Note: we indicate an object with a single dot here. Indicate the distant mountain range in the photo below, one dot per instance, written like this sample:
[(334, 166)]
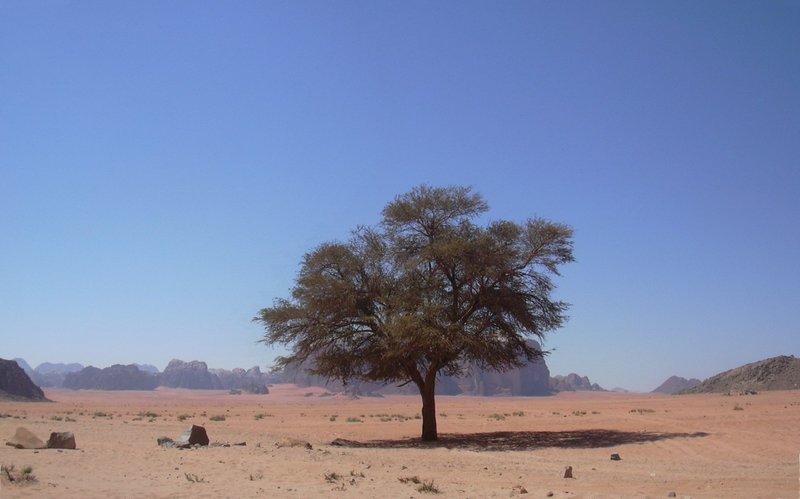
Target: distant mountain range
[(531, 379)]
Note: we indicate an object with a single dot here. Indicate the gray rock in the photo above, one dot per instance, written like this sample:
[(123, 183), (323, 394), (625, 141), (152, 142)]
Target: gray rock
[(25, 439), (61, 440), (166, 442)]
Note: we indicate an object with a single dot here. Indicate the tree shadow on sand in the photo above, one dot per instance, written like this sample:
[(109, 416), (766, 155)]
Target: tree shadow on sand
[(524, 440)]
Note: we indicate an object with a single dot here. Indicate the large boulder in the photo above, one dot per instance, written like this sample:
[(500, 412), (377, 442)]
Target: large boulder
[(25, 439), (194, 435), (193, 375), (61, 440), (16, 385)]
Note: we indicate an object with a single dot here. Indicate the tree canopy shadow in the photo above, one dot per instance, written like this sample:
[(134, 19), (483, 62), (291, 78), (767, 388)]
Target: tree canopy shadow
[(524, 440)]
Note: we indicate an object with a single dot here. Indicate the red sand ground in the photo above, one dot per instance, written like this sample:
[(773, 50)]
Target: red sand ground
[(694, 445)]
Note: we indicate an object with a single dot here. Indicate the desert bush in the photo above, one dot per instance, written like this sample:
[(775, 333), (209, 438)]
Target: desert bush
[(218, 417), (428, 488)]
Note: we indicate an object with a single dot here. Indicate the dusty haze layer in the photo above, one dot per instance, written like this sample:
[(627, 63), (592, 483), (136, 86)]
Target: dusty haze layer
[(707, 445)]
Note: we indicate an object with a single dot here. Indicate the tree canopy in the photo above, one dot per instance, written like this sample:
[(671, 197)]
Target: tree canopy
[(426, 291)]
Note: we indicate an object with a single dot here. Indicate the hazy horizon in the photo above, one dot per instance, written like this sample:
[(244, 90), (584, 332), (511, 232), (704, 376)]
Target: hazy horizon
[(165, 166)]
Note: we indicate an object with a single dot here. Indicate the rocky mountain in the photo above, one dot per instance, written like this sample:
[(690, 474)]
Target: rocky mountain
[(49, 367), (573, 383), (147, 368), (193, 375), (676, 384), (529, 380), (776, 373), (251, 380), (25, 367), (116, 377), (16, 385), (48, 375)]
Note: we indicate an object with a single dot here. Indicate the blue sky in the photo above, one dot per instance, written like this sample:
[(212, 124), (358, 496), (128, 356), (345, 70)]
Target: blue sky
[(165, 165)]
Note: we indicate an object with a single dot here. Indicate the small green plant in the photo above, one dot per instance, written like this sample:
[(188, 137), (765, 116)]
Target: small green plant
[(69, 420), (101, 414), (518, 413), (359, 474), (12, 475), (56, 418), (428, 488), (183, 417), (642, 411), (333, 418), (218, 417), (354, 420), (595, 412), (332, 477), (262, 415), (194, 478), (578, 413), (737, 407), (149, 414), (497, 417)]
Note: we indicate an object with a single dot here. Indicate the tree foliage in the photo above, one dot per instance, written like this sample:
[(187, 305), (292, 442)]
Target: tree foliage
[(424, 292)]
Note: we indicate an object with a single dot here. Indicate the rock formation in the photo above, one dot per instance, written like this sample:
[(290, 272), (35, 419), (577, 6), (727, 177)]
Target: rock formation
[(116, 377), (194, 375), (52, 374), (675, 384), (61, 440), (251, 380), (25, 439), (533, 378), (776, 373), (16, 385), (573, 383)]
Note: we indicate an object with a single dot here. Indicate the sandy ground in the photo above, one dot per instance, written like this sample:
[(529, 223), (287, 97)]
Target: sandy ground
[(696, 445)]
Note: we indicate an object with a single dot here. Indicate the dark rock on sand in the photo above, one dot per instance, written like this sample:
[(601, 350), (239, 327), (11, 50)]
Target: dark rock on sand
[(61, 440), (195, 435)]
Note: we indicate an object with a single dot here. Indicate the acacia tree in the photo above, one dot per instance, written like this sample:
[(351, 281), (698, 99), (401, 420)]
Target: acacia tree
[(426, 291)]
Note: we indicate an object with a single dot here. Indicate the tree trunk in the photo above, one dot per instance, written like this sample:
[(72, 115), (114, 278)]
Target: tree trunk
[(427, 391)]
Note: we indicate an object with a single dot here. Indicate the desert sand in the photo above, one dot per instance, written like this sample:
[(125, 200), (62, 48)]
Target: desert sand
[(707, 445)]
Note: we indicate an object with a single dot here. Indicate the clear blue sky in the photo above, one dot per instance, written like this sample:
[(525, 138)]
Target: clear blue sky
[(165, 165)]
